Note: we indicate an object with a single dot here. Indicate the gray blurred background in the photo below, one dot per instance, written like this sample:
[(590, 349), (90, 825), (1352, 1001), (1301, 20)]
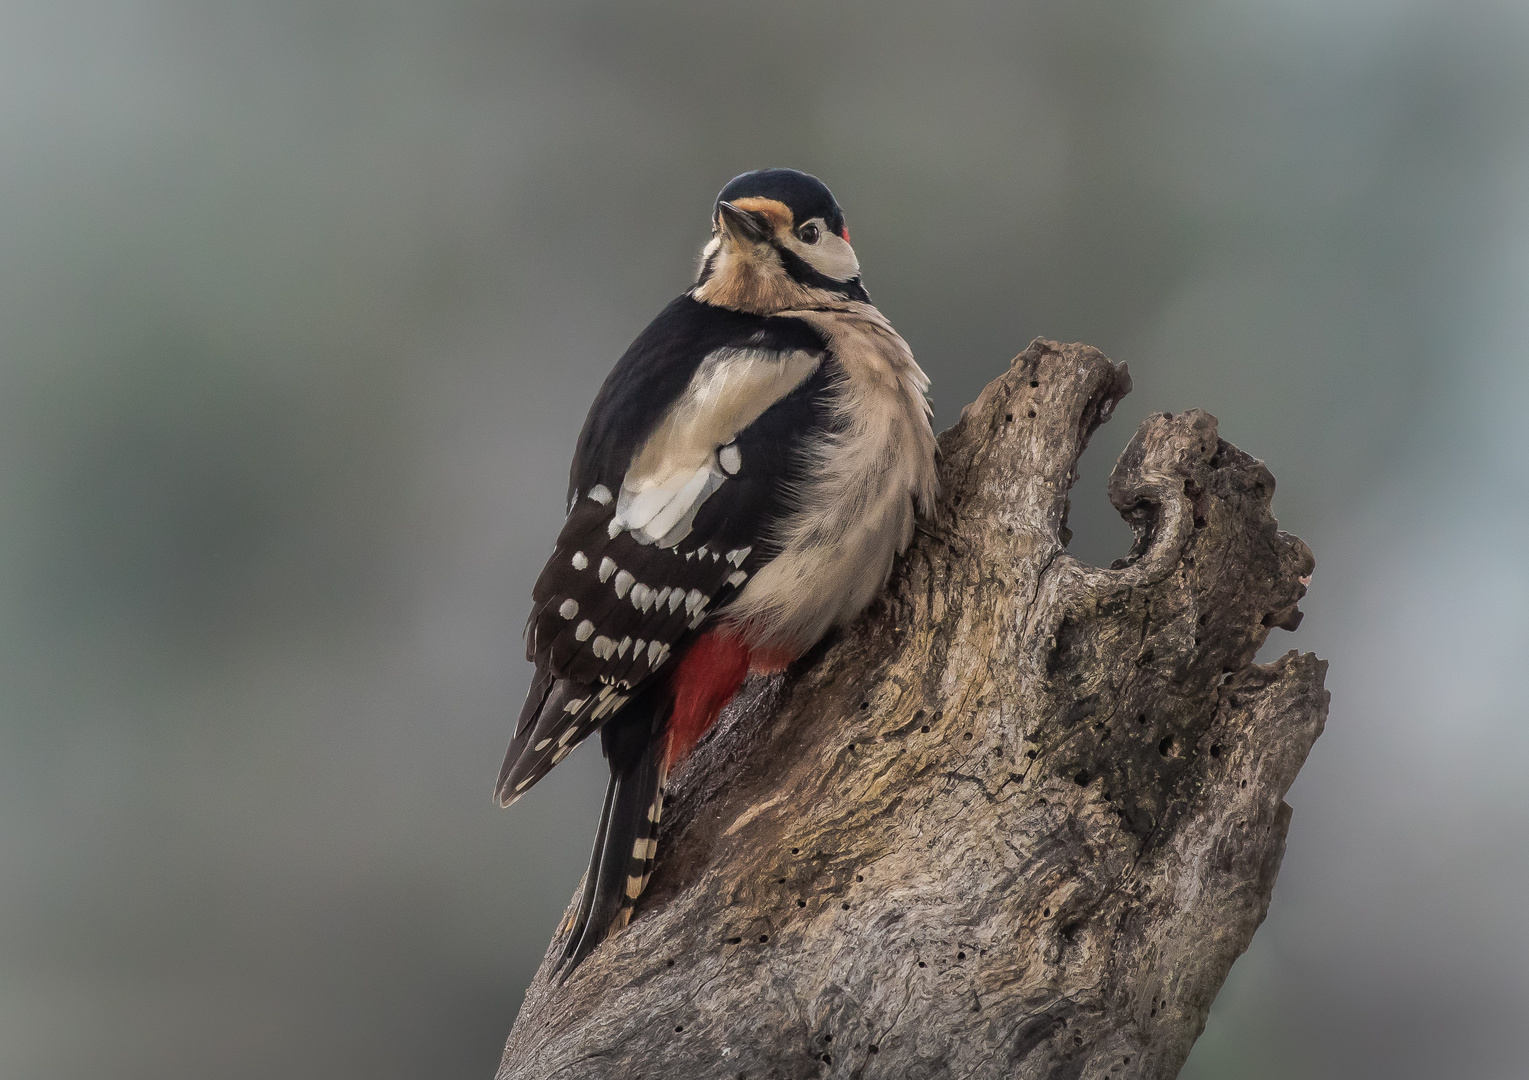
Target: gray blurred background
[(302, 304)]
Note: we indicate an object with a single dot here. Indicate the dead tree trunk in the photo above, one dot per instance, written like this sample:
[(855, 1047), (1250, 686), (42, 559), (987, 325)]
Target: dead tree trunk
[(1017, 823)]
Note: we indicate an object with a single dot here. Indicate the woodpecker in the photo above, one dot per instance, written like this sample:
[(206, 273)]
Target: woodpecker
[(745, 478)]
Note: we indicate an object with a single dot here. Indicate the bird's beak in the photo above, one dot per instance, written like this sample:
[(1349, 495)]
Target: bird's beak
[(742, 224)]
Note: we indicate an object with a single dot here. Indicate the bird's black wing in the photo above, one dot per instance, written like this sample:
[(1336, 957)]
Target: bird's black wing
[(664, 527)]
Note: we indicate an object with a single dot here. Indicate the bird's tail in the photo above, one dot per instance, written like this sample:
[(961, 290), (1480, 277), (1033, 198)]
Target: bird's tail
[(628, 836)]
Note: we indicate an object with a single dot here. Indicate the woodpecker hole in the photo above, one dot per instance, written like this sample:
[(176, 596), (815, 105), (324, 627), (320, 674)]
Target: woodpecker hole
[(873, 1048), (1165, 747), (801, 903), (968, 735), (859, 877), (865, 704), (1008, 418), (920, 963), (1046, 914), (960, 956), (1034, 383), (763, 938), (1032, 414), (1082, 778), (1141, 718), (669, 963), (679, 1027), (735, 941), (925, 729), (1215, 750), (828, 1059), (796, 851), (1030, 754), (844, 906)]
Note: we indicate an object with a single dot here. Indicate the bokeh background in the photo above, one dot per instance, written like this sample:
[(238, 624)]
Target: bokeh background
[(301, 306)]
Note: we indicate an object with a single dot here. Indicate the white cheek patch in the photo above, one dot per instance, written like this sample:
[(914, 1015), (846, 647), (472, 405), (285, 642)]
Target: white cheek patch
[(831, 256)]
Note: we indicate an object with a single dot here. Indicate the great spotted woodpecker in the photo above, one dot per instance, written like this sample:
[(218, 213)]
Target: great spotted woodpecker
[(743, 482)]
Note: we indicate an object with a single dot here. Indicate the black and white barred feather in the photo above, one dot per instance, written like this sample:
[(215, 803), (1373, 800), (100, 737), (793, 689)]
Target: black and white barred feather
[(643, 562)]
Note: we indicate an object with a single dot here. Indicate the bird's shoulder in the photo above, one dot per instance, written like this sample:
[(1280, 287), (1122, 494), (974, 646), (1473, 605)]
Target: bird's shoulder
[(654, 373)]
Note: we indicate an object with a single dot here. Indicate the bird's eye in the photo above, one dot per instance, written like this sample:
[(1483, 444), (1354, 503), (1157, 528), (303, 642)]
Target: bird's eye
[(808, 233)]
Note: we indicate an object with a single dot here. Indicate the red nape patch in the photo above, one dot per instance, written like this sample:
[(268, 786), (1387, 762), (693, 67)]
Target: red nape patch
[(706, 679), (844, 232)]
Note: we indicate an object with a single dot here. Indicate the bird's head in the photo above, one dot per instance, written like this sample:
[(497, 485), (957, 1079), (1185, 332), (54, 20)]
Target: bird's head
[(778, 241)]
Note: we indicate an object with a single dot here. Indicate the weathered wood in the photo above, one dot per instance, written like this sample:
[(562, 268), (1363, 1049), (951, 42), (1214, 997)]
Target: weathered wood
[(1018, 823)]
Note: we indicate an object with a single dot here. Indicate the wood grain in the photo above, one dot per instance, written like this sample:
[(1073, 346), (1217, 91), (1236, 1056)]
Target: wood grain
[(1018, 822)]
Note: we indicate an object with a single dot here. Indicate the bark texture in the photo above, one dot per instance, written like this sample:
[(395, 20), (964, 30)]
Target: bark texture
[(1018, 822)]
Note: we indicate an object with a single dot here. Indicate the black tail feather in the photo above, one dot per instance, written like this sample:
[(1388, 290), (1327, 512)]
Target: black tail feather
[(579, 917), (624, 845)]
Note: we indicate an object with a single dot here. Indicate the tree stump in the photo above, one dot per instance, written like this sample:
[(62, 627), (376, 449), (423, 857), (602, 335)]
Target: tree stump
[(1018, 822)]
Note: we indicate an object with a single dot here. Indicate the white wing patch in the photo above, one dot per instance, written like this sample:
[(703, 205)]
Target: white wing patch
[(691, 454)]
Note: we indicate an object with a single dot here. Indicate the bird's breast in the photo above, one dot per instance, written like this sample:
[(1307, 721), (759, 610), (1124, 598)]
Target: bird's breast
[(855, 513)]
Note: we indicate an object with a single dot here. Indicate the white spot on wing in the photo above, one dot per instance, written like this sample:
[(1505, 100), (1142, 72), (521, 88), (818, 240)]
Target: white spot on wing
[(600, 494), (580, 560), (583, 631), (603, 647), (569, 608), (730, 459), (607, 568), (737, 555), (626, 643), (737, 577), (693, 601), (676, 598), (624, 582), (613, 528), (654, 648), (574, 706), (610, 705), (539, 747)]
